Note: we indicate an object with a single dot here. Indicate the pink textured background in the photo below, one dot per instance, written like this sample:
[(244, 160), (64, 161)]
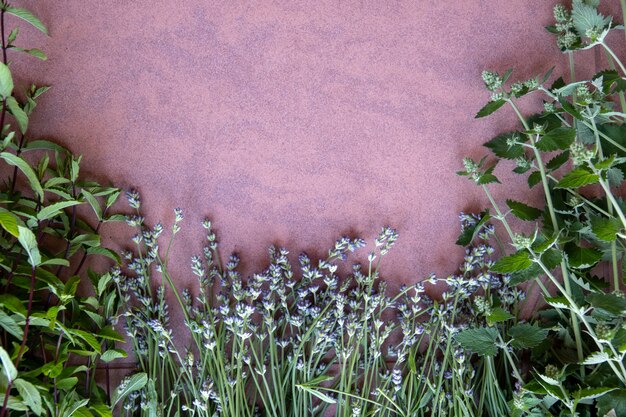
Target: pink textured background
[(288, 122)]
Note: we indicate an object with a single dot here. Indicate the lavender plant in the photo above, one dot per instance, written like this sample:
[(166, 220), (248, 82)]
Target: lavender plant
[(575, 151)]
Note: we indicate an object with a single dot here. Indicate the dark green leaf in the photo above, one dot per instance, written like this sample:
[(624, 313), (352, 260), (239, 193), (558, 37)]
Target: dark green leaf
[(582, 258), (499, 146), (613, 401), (518, 261), (99, 250), (534, 178), (110, 334), (523, 211), (558, 161), (591, 393), (68, 383), (608, 302), (577, 178), (557, 139), (525, 335), (481, 341), (489, 108)]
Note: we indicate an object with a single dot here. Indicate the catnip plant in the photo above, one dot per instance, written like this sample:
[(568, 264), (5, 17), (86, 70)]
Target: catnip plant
[(574, 151)]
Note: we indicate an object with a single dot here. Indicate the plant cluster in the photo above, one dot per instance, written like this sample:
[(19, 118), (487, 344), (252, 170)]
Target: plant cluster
[(575, 152), (52, 338)]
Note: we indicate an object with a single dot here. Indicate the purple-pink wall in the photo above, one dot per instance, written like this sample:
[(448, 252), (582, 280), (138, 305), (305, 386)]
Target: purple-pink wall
[(289, 122)]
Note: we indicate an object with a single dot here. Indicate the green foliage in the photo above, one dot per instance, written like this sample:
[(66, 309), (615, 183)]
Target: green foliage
[(52, 337), (577, 343)]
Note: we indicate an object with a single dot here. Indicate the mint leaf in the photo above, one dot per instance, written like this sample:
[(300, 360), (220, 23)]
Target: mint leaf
[(534, 178), (27, 16), (499, 315), (558, 161)]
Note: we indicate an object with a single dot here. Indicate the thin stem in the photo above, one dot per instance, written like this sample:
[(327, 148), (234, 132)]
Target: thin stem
[(617, 60)]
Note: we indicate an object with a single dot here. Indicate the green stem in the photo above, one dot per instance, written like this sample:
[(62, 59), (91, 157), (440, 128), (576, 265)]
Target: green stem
[(617, 60)]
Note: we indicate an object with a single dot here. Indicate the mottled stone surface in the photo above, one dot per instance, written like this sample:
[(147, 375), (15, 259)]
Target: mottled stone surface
[(289, 122)]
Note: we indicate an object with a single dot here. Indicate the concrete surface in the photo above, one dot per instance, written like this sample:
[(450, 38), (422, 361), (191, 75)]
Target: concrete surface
[(289, 122)]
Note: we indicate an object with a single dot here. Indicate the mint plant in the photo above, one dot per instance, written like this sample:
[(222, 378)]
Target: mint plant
[(53, 339), (574, 150)]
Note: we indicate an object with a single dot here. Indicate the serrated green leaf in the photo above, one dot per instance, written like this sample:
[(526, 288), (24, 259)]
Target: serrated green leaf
[(489, 108), (30, 395), (582, 258), (534, 178), (523, 211), (499, 315), (52, 210), (481, 341), (591, 393), (27, 16), (613, 401), (518, 261), (500, 147), (112, 354), (557, 139), (134, 383), (558, 302), (615, 176), (577, 178), (525, 335), (610, 303), (558, 161), (7, 365), (586, 17), (605, 229), (20, 115), (584, 134), (596, 358), (23, 166), (29, 242)]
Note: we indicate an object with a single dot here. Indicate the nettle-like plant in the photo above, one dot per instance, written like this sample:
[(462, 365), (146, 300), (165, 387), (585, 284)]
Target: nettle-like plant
[(52, 338), (575, 151)]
